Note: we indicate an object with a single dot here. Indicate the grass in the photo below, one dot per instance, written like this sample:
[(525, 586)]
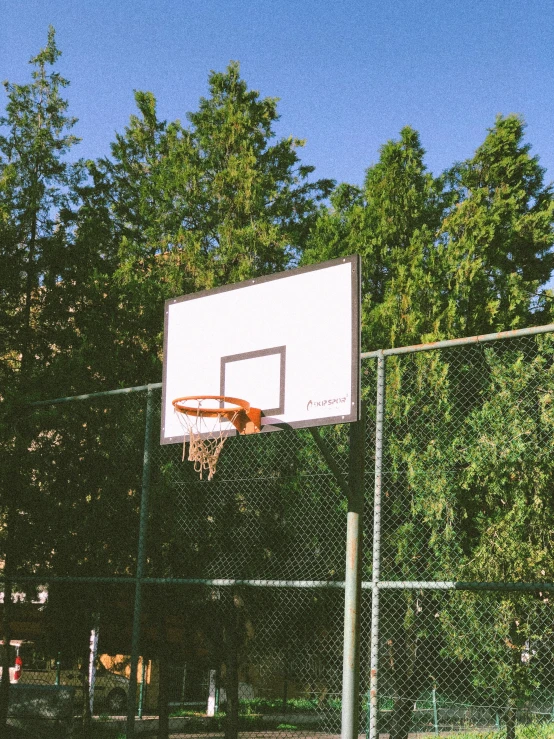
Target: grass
[(529, 731), (256, 714), (269, 706)]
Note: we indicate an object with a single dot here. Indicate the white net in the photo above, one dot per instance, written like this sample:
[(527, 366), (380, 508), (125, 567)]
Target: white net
[(206, 437)]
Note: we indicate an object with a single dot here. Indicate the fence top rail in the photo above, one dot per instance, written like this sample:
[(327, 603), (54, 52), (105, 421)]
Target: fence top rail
[(101, 394), (549, 328), (460, 342), (46, 579)]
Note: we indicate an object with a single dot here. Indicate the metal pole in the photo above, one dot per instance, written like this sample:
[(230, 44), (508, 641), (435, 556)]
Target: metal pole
[(58, 669), (142, 688), (465, 341), (93, 656), (102, 394), (528, 587), (374, 659), (132, 696), (352, 583)]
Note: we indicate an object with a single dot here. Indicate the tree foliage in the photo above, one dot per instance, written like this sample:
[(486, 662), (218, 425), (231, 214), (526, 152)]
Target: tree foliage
[(498, 234), (392, 223), (195, 207), (37, 190), (465, 490)]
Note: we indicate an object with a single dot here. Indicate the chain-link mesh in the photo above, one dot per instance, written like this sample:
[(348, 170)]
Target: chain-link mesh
[(232, 590), (465, 662), (467, 498)]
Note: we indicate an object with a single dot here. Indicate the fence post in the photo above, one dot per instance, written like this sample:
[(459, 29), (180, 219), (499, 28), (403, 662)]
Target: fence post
[(376, 568), (142, 690), (435, 711), (352, 582), (141, 554)]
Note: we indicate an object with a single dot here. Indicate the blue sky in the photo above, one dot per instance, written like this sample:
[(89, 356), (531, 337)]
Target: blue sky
[(349, 73)]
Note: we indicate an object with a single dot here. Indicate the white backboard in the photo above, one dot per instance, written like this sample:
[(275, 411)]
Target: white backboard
[(288, 343)]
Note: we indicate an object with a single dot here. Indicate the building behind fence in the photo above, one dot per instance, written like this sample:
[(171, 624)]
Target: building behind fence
[(197, 591)]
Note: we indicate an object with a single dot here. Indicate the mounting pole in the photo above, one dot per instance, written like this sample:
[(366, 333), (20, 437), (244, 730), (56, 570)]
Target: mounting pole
[(141, 557), (352, 582)]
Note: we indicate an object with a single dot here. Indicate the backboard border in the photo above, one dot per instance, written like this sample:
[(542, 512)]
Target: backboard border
[(354, 415)]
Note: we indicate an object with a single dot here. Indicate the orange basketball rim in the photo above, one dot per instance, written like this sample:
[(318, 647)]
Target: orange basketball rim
[(245, 419)]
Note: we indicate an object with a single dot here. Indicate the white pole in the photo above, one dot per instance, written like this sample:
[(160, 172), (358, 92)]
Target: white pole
[(211, 695), (92, 665)]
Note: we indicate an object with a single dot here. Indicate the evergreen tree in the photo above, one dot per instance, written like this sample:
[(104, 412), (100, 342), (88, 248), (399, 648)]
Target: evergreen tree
[(255, 203), (499, 235), (440, 264), (197, 207), (36, 187), (393, 224), (36, 190)]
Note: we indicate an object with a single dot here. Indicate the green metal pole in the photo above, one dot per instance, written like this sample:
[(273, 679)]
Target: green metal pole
[(132, 697), (376, 574), (352, 583), (102, 394)]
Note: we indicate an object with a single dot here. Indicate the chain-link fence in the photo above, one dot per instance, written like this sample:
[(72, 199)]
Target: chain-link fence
[(143, 600)]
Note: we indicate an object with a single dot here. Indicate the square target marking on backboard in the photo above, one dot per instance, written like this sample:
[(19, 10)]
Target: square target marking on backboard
[(264, 369), (287, 343)]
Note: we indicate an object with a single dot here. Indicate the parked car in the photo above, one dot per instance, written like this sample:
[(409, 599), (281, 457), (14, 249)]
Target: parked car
[(110, 689)]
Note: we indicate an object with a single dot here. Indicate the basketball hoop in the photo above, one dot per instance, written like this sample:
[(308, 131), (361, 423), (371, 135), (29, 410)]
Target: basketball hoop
[(206, 439)]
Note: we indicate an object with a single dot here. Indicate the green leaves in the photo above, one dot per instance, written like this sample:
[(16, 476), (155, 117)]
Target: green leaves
[(392, 224), (499, 234), (37, 193), (506, 478), (464, 253), (192, 208)]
